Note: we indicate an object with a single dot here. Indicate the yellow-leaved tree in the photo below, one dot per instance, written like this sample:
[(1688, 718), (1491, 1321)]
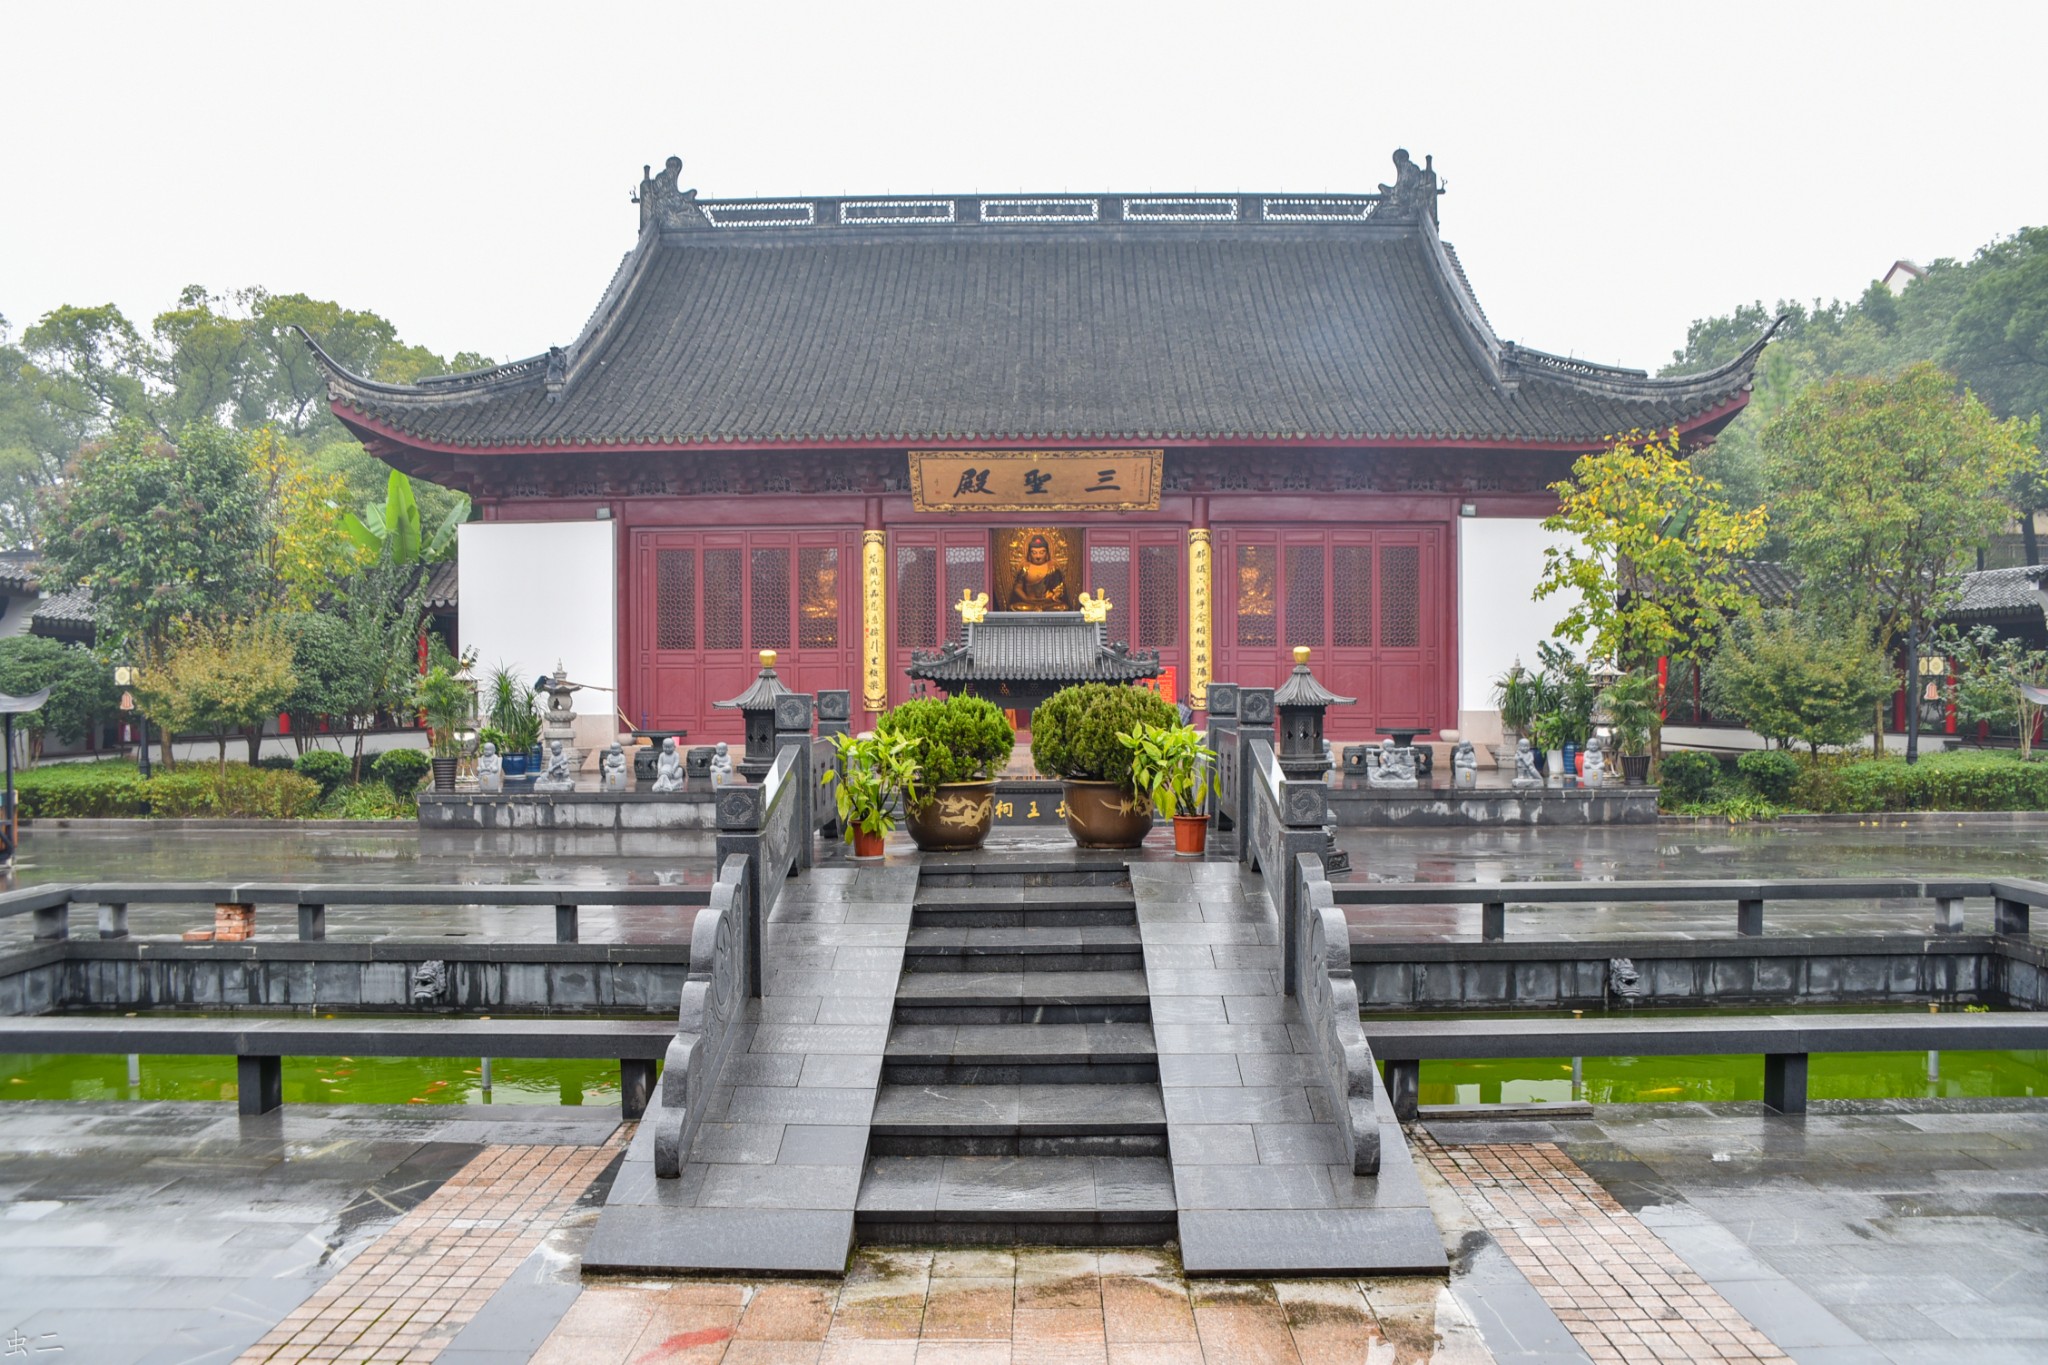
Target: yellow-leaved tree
[(306, 549), (220, 680), (1652, 556)]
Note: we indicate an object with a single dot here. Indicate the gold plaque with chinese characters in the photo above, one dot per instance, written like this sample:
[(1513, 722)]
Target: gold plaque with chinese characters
[(1035, 480)]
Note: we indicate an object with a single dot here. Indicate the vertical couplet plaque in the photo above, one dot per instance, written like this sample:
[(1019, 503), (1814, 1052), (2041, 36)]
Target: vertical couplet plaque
[(1200, 660), (874, 634)]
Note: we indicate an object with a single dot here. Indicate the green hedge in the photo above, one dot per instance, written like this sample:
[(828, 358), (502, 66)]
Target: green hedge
[(84, 791), (1962, 780)]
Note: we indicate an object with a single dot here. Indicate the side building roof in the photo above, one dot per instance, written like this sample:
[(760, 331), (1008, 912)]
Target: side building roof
[(1064, 318)]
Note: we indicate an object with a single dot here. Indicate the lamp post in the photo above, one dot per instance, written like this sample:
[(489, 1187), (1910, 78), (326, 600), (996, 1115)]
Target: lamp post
[(1299, 704), (124, 678), (756, 706)]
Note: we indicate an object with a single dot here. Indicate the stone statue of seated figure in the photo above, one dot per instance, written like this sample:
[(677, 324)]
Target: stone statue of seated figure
[(1464, 766), (555, 776), (722, 774), (1525, 765), (490, 769), (1594, 773), (668, 768), (1396, 767), (613, 770)]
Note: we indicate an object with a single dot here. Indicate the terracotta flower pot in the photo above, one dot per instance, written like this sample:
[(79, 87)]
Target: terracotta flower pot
[(1104, 815), (866, 845), (958, 817), (1190, 835)]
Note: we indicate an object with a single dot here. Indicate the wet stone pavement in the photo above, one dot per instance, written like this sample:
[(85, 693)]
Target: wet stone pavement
[(684, 859)]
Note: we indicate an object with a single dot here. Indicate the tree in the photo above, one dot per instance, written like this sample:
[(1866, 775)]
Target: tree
[(331, 678), (1652, 554), (222, 680), (395, 529), (1993, 674), (1790, 677), (307, 547), (384, 607), (82, 690), (1882, 487), (160, 534), (1999, 347)]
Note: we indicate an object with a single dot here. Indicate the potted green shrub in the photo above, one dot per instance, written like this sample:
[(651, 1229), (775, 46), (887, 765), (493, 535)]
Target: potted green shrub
[(1631, 702), (869, 776), (1074, 737), (1520, 696), (447, 702), (1171, 765), (515, 715), (960, 744)]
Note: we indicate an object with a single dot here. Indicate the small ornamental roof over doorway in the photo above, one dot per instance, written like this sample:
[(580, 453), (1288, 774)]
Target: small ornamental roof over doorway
[(946, 321)]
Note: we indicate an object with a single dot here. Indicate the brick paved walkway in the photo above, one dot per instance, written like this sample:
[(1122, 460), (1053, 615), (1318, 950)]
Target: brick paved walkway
[(1612, 1282), (406, 1295), (1000, 1307)]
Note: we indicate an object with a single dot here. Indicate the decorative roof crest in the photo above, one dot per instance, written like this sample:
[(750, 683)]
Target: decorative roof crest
[(1415, 189), (663, 203)]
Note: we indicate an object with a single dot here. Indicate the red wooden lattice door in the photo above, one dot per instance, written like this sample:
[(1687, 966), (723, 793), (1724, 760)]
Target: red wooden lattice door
[(1141, 572), (928, 570), (1370, 603), (705, 603)]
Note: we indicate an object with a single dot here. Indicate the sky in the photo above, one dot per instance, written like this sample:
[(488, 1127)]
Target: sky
[(1613, 170)]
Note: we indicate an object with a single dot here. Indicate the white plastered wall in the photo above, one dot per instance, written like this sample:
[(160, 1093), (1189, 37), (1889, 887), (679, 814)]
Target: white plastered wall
[(1500, 560), (535, 592)]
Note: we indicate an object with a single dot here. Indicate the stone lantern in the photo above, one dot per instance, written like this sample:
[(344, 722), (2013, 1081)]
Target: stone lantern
[(1298, 706), (1299, 703), (757, 706)]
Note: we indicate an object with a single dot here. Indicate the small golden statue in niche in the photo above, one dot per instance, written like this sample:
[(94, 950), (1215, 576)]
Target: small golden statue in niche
[(1035, 562), (972, 606), (1095, 610)]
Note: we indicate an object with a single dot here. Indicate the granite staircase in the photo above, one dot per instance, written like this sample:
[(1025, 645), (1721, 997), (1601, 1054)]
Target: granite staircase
[(1020, 1097)]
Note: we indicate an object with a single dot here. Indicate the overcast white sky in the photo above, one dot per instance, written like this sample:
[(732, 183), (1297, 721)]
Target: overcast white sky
[(1614, 170)]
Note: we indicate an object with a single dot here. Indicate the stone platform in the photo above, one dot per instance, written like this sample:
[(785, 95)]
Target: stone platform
[(1068, 1048)]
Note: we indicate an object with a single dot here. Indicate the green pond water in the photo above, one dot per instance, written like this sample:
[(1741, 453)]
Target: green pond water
[(315, 1080), (1830, 1076)]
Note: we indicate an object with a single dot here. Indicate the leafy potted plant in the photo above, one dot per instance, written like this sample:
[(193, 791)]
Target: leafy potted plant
[(514, 715), (1074, 737), (1570, 698), (1521, 696), (447, 703), (1172, 766), (867, 778), (960, 744), (1631, 703)]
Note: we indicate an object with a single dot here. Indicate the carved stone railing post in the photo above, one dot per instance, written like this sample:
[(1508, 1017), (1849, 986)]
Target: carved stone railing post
[(1303, 808), (793, 714), (713, 1004), (738, 811), (835, 712), (1223, 721), (1329, 1006), (1254, 722)]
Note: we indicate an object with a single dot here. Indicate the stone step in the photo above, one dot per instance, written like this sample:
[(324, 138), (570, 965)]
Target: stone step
[(1021, 1054), (1029, 1120), (1065, 868), (1025, 948), (1020, 997), (983, 1200), (1012, 907)]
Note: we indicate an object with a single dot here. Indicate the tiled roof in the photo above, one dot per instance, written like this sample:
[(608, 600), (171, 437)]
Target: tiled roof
[(1772, 583), (1995, 593), (789, 322), (1033, 646), (67, 614), (442, 581)]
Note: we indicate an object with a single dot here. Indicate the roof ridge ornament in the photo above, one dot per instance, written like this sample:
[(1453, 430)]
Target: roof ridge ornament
[(665, 205), (1414, 193)]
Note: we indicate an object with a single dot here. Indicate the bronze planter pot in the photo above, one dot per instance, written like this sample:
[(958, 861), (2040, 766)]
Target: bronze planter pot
[(444, 774), (1104, 815), (1635, 770), (957, 818)]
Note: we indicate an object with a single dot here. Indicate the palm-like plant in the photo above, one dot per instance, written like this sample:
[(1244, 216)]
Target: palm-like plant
[(1171, 765)]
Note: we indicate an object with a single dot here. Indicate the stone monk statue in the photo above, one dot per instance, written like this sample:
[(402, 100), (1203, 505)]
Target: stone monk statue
[(668, 768), (1525, 765), (490, 769), (555, 778)]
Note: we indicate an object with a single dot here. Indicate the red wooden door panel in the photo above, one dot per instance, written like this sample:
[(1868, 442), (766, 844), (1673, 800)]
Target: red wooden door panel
[(1371, 602)]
